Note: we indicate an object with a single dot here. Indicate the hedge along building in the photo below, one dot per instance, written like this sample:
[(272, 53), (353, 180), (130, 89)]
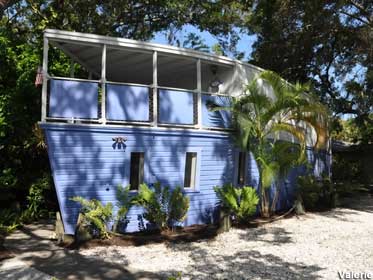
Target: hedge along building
[(140, 115)]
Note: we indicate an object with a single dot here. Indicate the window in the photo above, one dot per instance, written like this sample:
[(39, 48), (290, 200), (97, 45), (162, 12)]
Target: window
[(137, 170), (241, 176), (190, 170)]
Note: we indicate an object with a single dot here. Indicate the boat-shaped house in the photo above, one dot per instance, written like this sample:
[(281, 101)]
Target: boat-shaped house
[(139, 114)]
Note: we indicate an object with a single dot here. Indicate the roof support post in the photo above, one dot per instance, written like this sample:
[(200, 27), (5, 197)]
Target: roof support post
[(103, 85), (72, 70), (155, 89), (199, 94), (44, 92)]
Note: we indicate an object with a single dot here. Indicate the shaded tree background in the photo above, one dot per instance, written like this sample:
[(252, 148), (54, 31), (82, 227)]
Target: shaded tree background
[(326, 42)]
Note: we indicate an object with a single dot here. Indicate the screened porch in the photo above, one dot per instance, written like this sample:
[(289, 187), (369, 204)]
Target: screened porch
[(113, 81)]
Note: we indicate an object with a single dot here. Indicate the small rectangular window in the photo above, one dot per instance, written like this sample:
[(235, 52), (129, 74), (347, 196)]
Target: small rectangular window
[(190, 170), (241, 178), (137, 170)]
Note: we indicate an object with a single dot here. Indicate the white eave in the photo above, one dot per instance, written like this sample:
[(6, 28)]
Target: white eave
[(93, 39)]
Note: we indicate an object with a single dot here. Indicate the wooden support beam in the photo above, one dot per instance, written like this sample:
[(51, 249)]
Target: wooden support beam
[(199, 94), (44, 93), (72, 70), (155, 89), (103, 85)]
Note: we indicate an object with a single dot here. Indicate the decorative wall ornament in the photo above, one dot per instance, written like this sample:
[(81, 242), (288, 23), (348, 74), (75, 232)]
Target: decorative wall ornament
[(119, 139)]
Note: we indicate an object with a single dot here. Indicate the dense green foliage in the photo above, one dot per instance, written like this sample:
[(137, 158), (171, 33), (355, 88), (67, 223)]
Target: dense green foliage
[(241, 202), (36, 200), (9, 221), (327, 43), (258, 121), (316, 193), (125, 201), (163, 207), (96, 215)]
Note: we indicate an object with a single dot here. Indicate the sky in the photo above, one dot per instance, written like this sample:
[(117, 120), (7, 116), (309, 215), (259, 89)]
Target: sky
[(244, 44)]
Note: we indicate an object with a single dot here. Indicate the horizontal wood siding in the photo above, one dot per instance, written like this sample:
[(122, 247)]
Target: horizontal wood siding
[(87, 162)]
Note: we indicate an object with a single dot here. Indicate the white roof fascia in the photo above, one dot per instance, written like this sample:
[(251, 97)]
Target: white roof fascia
[(93, 39)]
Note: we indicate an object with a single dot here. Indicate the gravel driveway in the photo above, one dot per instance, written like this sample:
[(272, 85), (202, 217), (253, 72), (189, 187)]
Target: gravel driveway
[(314, 246)]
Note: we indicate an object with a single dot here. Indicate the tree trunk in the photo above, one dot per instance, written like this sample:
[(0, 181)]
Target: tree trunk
[(265, 209), (275, 199), (224, 221)]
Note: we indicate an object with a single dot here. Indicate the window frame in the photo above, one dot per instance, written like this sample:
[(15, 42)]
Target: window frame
[(196, 187), (127, 173), (237, 168)]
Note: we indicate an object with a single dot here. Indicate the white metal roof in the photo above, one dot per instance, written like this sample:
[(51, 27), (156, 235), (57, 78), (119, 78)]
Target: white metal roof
[(88, 39)]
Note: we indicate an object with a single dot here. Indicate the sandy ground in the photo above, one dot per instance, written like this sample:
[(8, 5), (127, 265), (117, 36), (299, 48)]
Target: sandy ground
[(314, 246)]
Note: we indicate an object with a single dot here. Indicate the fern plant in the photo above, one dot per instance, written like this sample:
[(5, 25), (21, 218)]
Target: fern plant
[(162, 206), (96, 215), (178, 206), (240, 202), (125, 201)]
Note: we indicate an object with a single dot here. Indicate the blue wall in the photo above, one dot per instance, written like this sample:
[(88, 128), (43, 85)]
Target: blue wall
[(127, 103), (72, 99), (175, 107), (86, 162)]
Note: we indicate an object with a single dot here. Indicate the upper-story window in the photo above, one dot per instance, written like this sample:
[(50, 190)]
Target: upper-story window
[(177, 72), (129, 66), (217, 78)]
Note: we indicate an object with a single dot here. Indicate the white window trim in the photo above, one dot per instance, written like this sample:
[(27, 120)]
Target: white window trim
[(198, 151)]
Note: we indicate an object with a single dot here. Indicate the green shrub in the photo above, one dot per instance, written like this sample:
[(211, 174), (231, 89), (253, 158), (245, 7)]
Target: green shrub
[(178, 276), (36, 202), (9, 221), (162, 207), (347, 170), (124, 203), (95, 215), (240, 202), (178, 206), (316, 193)]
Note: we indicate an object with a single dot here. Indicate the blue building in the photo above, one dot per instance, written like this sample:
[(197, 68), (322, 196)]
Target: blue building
[(136, 112)]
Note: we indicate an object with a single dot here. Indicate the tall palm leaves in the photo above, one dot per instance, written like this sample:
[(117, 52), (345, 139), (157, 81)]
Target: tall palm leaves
[(274, 121)]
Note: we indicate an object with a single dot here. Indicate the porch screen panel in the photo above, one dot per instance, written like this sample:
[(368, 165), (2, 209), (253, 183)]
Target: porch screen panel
[(127, 103), (220, 118), (73, 99), (175, 107)]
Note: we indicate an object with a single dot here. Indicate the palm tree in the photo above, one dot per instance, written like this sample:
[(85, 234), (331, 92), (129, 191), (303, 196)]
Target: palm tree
[(269, 111)]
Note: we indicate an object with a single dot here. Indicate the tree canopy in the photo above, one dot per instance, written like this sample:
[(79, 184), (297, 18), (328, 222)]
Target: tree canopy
[(326, 42)]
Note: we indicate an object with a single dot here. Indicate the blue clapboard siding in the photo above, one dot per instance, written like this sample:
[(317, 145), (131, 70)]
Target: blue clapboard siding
[(72, 99), (175, 107), (215, 118), (86, 162), (127, 103)]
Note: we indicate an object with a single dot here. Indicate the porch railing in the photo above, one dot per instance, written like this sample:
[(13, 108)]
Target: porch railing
[(105, 102), (78, 100)]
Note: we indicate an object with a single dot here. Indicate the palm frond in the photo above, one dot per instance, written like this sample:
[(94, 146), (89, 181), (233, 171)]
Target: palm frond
[(296, 131)]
